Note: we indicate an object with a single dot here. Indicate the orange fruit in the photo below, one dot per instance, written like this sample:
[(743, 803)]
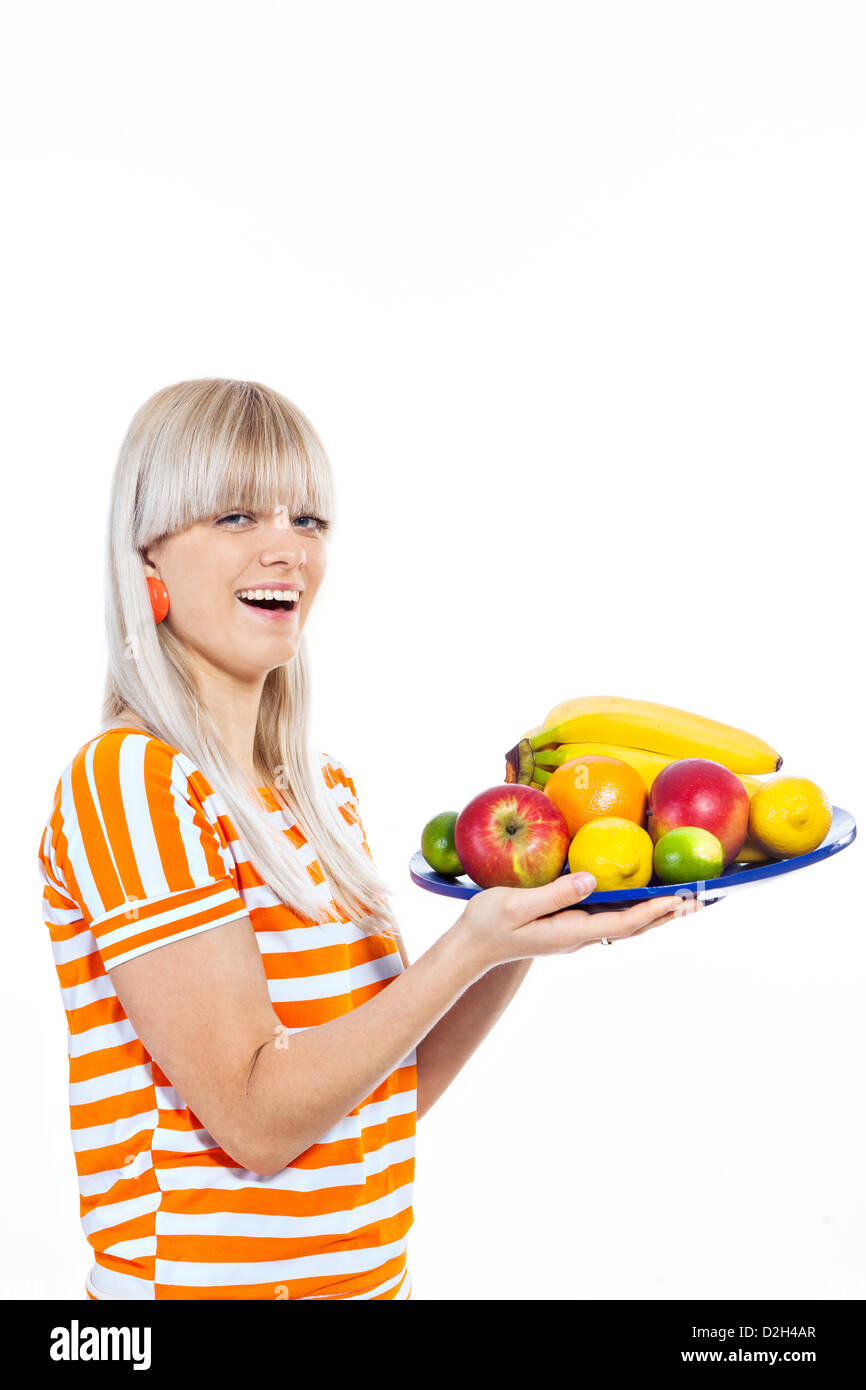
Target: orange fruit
[(596, 785)]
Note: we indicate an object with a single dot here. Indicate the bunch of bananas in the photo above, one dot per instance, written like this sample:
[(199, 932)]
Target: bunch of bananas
[(645, 735)]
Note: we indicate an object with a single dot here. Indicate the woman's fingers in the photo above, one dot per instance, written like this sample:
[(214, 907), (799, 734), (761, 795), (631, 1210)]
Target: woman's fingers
[(511, 924), (643, 917), (684, 909), (639, 916), (619, 926)]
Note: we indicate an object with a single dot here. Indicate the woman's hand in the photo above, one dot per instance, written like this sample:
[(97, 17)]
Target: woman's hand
[(502, 924)]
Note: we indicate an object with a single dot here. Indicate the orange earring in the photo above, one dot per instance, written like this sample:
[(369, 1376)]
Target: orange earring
[(158, 597)]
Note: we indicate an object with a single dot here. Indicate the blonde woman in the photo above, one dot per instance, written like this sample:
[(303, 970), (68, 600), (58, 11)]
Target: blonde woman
[(249, 1046)]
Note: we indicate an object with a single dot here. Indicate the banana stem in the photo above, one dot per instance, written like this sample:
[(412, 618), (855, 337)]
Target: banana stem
[(520, 762), (539, 777), (552, 757), (551, 735)]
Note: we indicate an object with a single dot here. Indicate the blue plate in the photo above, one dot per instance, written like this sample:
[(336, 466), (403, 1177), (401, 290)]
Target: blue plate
[(841, 834)]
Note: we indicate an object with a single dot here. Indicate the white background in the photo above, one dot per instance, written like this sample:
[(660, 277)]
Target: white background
[(574, 294)]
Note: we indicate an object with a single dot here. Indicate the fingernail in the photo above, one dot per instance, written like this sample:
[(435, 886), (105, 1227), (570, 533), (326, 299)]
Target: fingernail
[(586, 883)]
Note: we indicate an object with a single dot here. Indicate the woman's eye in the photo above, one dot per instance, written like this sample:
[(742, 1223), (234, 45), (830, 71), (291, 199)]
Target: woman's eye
[(316, 523)]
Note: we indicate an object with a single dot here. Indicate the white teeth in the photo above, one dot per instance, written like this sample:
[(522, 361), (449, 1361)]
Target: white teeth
[(287, 595)]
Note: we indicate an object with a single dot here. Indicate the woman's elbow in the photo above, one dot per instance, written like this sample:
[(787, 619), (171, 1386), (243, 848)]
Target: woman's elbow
[(255, 1157)]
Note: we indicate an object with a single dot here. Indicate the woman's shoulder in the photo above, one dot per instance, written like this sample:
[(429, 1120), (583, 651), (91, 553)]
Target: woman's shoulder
[(336, 775), (130, 753), (121, 766), (120, 731), (123, 792), (341, 788), (125, 744)]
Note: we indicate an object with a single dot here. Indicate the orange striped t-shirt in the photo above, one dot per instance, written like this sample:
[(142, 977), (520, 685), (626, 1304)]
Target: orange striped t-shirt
[(139, 851)]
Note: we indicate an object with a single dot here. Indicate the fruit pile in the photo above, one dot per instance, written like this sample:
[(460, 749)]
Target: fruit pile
[(633, 792)]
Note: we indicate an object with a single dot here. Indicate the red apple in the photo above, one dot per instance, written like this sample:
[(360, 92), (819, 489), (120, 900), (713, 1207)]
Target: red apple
[(511, 836), (698, 791)]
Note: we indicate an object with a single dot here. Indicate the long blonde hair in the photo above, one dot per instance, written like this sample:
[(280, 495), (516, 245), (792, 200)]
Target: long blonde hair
[(192, 451)]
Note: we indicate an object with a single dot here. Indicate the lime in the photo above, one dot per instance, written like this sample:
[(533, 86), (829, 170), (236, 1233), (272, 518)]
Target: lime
[(688, 854), (437, 844)]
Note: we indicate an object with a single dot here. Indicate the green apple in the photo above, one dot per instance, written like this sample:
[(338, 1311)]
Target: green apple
[(688, 855)]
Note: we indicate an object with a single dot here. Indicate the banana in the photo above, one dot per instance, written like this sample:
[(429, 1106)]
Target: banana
[(752, 853), (648, 764), (537, 729), (657, 728), (752, 784)]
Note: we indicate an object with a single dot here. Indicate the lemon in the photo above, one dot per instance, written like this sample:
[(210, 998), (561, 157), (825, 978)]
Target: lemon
[(618, 852), (437, 844), (790, 816)]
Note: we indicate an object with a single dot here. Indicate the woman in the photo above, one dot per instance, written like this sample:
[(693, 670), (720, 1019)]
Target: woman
[(249, 1047)]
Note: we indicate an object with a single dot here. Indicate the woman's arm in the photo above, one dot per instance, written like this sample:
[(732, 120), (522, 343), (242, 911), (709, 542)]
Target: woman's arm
[(201, 1007), (452, 1041)]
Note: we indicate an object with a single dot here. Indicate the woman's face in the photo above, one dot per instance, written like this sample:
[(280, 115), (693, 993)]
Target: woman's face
[(204, 569)]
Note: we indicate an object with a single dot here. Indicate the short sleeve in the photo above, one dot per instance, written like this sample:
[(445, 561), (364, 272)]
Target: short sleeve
[(342, 789), (137, 851)]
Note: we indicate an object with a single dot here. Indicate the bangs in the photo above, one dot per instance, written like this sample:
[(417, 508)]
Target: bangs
[(257, 485), (231, 446)]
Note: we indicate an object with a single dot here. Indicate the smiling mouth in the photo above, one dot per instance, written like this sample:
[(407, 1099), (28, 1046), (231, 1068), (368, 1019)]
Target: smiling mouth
[(273, 605)]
